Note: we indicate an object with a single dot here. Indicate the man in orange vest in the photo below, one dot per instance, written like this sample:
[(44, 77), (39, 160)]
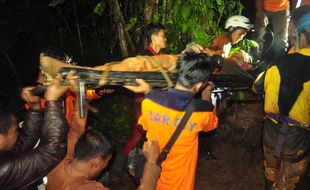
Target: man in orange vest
[(163, 110), (276, 11)]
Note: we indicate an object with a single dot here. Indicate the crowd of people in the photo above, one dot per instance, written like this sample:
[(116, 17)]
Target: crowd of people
[(60, 145)]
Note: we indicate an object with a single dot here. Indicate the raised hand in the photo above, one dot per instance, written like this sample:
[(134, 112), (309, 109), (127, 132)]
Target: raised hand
[(57, 88), (151, 150), (206, 93), (143, 87), (33, 101)]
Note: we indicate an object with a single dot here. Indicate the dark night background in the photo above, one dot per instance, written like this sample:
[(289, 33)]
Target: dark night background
[(27, 26), (30, 31)]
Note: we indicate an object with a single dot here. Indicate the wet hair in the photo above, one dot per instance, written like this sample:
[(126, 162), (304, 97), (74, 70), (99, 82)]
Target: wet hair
[(7, 115), (56, 53), (92, 144), (193, 68), (151, 29)]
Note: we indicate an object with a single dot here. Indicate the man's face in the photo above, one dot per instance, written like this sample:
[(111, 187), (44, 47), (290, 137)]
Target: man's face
[(9, 140), (237, 35), (159, 39)]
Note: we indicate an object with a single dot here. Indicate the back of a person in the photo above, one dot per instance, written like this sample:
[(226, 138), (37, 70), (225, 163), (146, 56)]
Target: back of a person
[(58, 176), (65, 178), (178, 170), (293, 88), (82, 183)]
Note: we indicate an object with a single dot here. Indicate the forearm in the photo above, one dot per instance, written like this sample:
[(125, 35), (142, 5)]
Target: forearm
[(55, 128), (31, 130), (78, 127), (151, 174)]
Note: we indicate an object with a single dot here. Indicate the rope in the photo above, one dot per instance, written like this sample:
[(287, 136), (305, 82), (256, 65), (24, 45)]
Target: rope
[(105, 75), (163, 72)]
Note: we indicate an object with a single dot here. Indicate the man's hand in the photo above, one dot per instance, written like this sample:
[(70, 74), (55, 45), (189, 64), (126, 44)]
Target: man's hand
[(151, 150), (143, 87), (33, 101), (56, 89), (206, 93), (193, 48), (210, 52)]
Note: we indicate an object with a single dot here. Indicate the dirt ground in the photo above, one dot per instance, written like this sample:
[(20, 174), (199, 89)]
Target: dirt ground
[(234, 169)]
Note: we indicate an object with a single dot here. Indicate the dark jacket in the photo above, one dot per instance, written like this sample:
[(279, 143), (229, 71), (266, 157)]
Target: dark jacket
[(22, 168)]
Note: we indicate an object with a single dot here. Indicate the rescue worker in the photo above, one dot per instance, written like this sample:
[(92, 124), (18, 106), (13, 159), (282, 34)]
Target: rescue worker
[(286, 135), (156, 39), (237, 27), (161, 111), (295, 17), (89, 152), (21, 165), (276, 12)]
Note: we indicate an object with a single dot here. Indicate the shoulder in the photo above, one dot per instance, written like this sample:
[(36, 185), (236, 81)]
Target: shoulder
[(292, 67), (88, 185), (221, 39), (203, 106), (292, 61), (176, 101), (219, 42)]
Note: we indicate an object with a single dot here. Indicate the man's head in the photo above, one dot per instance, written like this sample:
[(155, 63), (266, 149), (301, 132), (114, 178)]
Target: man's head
[(155, 34), (194, 70), (299, 26), (94, 148), (8, 128), (238, 26)]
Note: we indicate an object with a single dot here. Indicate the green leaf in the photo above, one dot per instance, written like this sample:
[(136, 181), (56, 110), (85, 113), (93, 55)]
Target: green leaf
[(219, 2), (185, 13), (100, 7), (155, 18), (132, 22), (184, 27)]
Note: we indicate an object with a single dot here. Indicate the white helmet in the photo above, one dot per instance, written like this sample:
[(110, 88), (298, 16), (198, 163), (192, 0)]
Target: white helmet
[(238, 21)]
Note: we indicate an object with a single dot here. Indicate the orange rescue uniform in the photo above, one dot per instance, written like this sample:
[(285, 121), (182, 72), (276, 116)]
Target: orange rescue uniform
[(276, 5), (161, 113)]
